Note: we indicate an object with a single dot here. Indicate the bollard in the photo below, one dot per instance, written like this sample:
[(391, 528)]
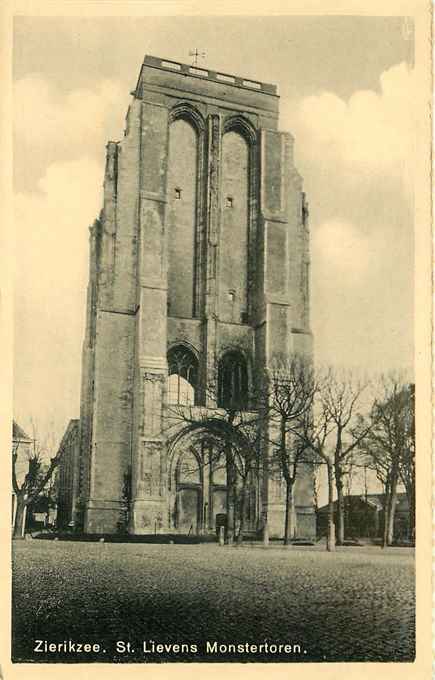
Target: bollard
[(221, 535)]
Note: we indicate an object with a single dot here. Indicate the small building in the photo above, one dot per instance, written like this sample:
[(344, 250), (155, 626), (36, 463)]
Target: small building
[(67, 476), (40, 513), (364, 516)]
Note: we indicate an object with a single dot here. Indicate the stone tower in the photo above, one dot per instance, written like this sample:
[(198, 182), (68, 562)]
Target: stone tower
[(199, 265)]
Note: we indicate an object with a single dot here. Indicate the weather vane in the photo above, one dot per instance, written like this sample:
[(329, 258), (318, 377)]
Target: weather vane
[(195, 54)]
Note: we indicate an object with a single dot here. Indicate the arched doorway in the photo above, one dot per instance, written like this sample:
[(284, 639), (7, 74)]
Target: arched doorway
[(189, 493), (199, 485)]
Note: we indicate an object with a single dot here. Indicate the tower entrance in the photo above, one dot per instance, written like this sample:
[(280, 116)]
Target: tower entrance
[(198, 494), (189, 493), (199, 488)]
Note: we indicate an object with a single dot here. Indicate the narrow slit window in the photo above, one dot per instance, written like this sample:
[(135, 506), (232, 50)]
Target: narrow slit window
[(229, 202), (178, 194)]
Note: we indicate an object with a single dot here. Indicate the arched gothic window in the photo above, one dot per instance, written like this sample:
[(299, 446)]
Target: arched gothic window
[(182, 376), (233, 381), (235, 218), (182, 191), (188, 471)]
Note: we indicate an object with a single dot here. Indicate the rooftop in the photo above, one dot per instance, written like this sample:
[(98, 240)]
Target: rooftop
[(375, 499), (207, 74), (18, 433)]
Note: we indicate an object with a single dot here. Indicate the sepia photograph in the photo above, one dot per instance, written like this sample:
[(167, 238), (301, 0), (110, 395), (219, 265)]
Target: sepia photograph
[(221, 262)]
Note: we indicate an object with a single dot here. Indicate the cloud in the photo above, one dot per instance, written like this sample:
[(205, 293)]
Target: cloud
[(70, 124), (339, 248), (51, 269), (60, 140), (370, 135), (356, 158), (362, 296), (51, 224)]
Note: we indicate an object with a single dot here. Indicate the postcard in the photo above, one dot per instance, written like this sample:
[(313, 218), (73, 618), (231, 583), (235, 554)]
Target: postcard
[(216, 312)]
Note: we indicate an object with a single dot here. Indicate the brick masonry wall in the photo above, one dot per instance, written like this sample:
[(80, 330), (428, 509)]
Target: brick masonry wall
[(134, 243)]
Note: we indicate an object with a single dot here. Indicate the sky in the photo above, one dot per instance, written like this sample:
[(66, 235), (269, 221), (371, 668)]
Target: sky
[(346, 88)]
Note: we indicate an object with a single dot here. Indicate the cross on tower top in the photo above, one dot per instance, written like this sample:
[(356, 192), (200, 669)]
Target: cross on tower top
[(195, 54)]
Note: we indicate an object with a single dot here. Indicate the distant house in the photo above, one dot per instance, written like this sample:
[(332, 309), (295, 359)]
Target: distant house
[(68, 476), (42, 511), (364, 516), (22, 446)]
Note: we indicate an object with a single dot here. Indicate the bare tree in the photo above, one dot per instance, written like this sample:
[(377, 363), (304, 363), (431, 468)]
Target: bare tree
[(34, 482), (349, 473), (316, 483), (290, 393), (243, 458), (314, 430), (328, 431), (234, 431), (407, 458), (341, 395), (389, 446)]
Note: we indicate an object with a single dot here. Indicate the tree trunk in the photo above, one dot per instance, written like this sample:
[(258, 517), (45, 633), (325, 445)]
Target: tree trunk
[(315, 491), (410, 496), (290, 524), (392, 509), (330, 539), (242, 512), (230, 496), (340, 505), (20, 517), (411, 503), (386, 514)]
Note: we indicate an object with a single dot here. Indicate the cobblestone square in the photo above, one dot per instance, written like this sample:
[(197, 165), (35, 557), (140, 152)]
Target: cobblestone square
[(306, 604), (356, 604)]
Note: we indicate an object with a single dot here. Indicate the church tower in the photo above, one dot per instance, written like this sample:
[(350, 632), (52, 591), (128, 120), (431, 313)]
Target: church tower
[(199, 266)]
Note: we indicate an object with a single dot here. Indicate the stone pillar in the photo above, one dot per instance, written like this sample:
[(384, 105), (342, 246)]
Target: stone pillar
[(112, 379), (88, 373), (205, 498), (278, 306), (273, 307), (209, 368), (148, 504)]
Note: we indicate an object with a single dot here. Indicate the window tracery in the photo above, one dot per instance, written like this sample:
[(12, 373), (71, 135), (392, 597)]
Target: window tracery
[(233, 381), (182, 376)]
